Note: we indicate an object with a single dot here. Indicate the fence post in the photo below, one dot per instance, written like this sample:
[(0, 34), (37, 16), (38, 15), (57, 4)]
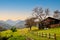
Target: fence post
[(37, 34), (54, 36), (46, 35), (49, 35), (42, 34)]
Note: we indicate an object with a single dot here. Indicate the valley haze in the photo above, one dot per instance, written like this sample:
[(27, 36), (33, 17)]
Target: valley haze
[(9, 23)]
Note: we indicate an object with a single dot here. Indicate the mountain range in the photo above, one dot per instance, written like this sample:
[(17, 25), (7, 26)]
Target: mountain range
[(9, 23)]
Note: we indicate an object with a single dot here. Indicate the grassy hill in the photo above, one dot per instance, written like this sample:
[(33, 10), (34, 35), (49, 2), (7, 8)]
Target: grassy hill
[(51, 31), (34, 34)]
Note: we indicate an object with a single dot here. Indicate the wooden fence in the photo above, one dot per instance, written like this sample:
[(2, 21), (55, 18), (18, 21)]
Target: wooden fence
[(47, 35)]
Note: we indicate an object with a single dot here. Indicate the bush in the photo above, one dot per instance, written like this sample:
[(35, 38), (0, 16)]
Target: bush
[(13, 29), (4, 38), (17, 38)]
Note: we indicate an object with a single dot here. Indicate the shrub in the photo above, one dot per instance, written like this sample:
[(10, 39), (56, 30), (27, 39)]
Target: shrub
[(13, 29), (17, 38)]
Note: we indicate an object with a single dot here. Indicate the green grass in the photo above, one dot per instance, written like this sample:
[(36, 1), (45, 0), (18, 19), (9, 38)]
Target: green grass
[(22, 34), (17, 38), (51, 31)]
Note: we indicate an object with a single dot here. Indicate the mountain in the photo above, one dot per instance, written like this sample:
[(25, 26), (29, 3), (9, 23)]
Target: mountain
[(10, 22), (3, 24), (17, 21), (20, 24)]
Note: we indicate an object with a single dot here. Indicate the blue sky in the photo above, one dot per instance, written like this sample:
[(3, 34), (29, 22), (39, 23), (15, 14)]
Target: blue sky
[(21, 9)]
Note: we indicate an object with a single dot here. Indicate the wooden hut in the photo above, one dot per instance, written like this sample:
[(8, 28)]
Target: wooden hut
[(49, 23)]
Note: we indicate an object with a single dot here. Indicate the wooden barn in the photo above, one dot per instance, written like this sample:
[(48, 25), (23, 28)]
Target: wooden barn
[(49, 23)]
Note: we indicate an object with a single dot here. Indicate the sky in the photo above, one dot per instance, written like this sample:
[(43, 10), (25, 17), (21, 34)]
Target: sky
[(22, 9)]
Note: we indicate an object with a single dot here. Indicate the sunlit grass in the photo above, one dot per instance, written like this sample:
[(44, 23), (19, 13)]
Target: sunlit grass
[(27, 32)]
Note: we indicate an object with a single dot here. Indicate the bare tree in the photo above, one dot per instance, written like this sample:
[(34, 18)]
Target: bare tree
[(30, 22), (56, 14), (39, 14), (46, 12)]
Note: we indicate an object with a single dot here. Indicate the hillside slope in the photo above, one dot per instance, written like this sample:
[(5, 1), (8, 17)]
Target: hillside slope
[(33, 34)]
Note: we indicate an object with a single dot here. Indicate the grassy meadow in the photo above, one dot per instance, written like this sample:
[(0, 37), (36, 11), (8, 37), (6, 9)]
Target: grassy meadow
[(26, 34)]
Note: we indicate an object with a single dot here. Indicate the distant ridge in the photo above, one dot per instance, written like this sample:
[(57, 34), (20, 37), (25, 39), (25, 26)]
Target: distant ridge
[(4, 25), (9, 23), (20, 24)]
